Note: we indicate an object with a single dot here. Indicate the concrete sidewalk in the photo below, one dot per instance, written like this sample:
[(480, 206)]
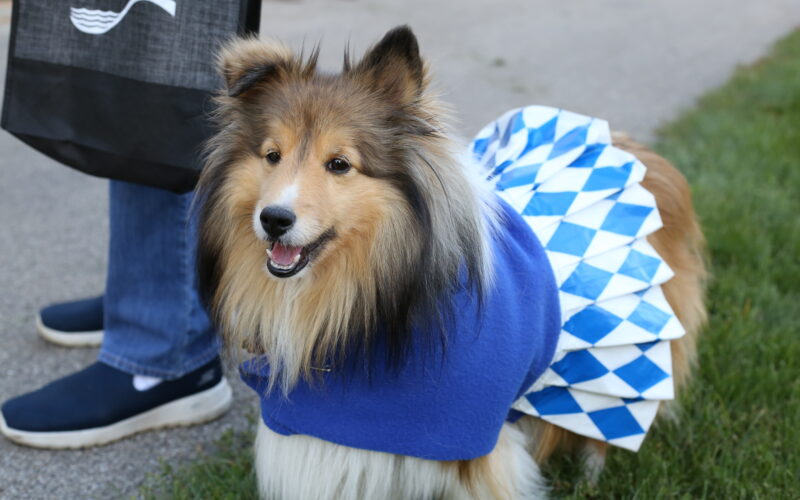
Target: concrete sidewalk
[(634, 63)]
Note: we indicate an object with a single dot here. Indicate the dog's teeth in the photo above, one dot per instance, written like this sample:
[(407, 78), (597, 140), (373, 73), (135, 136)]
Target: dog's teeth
[(269, 253), (296, 259)]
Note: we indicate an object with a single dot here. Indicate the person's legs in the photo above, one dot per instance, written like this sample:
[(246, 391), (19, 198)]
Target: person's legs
[(158, 365), (154, 321)]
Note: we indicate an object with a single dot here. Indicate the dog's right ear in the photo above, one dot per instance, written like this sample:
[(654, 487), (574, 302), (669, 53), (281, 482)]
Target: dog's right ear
[(247, 62)]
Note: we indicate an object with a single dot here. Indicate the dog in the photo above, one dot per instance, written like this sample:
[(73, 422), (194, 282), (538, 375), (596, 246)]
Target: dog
[(343, 235)]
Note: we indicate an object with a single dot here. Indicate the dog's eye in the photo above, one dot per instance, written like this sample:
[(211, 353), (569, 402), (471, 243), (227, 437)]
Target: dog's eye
[(338, 166), (273, 157)]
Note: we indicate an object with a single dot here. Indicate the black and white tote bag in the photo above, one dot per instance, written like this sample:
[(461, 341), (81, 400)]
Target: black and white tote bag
[(119, 88)]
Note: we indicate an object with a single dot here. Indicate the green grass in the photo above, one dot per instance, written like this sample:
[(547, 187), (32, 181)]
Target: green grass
[(738, 435), (223, 472), (738, 432)]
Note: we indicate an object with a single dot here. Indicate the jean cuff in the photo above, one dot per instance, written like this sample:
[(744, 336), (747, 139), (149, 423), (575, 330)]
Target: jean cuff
[(134, 368)]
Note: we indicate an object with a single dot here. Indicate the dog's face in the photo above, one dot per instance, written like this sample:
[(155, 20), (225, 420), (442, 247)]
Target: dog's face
[(321, 157), (316, 189), (331, 203)]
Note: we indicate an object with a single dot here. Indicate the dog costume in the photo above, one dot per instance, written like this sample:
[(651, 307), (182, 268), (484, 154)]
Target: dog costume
[(574, 330)]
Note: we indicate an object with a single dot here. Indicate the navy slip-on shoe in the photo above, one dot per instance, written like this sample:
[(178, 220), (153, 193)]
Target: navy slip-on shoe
[(100, 404), (73, 324)]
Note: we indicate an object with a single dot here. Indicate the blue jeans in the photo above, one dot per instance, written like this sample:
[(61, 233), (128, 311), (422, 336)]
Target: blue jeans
[(154, 321)]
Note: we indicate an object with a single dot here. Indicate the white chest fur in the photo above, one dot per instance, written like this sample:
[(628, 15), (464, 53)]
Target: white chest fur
[(302, 467)]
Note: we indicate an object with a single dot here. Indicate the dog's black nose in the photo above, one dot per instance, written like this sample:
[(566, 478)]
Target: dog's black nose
[(277, 220)]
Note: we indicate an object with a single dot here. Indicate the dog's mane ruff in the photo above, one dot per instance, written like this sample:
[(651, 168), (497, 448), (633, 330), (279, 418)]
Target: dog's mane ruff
[(430, 239), (447, 237)]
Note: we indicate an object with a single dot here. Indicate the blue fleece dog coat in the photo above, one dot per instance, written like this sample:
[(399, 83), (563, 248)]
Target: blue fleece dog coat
[(575, 329)]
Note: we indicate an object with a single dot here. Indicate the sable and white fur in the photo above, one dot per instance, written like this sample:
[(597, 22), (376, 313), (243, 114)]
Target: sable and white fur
[(384, 241)]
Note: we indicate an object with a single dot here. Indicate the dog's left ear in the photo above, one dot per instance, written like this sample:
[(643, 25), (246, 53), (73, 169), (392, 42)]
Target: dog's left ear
[(394, 66)]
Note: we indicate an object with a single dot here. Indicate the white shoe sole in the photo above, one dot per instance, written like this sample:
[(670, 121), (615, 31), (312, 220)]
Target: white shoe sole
[(190, 410), (69, 339)]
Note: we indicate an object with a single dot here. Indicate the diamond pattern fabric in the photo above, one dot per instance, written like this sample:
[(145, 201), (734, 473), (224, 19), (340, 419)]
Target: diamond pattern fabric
[(583, 199)]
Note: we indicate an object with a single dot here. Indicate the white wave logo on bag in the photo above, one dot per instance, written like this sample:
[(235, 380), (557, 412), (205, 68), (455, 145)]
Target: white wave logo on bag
[(97, 22)]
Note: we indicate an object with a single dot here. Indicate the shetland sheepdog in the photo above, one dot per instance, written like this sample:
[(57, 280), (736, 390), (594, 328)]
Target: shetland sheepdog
[(332, 204)]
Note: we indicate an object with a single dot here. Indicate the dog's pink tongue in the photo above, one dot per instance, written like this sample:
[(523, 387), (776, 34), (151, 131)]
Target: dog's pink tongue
[(284, 255)]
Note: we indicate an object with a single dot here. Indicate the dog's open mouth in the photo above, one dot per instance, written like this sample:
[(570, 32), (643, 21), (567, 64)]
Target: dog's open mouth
[(284, 260)]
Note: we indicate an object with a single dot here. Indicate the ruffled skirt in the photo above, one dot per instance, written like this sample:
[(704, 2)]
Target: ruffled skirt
[(584, 200)]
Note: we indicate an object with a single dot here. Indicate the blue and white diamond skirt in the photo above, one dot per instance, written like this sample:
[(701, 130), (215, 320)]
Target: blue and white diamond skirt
[(584, 200)]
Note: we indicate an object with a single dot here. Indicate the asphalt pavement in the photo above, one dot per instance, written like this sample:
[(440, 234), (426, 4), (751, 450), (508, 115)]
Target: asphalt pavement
[(636, 64)]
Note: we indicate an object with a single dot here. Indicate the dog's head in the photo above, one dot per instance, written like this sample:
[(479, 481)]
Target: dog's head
[(332, 203)]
